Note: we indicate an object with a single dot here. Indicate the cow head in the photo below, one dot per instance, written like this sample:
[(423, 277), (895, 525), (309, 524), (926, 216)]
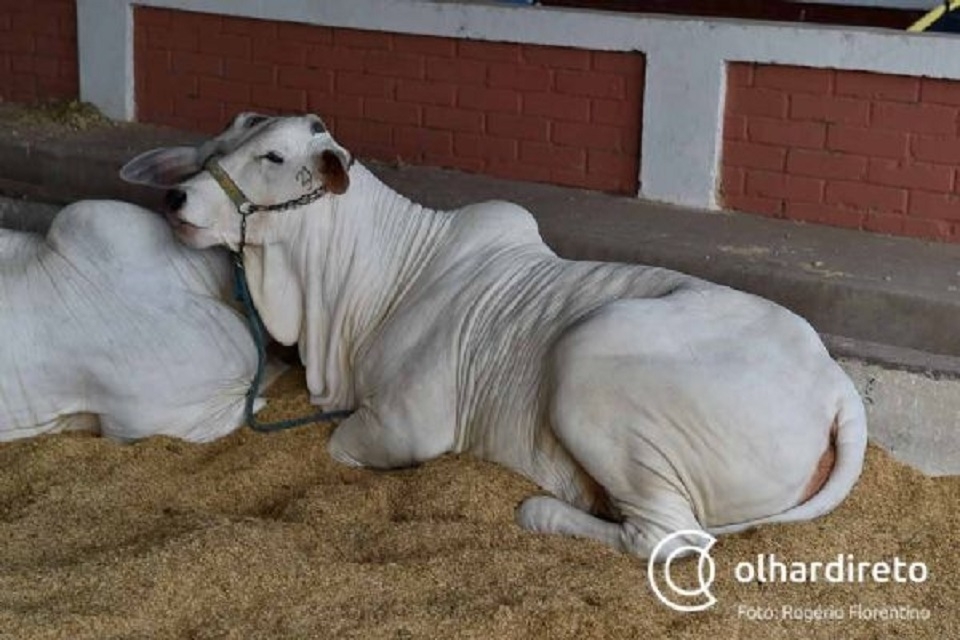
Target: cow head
[(292, 163), (283, 160)]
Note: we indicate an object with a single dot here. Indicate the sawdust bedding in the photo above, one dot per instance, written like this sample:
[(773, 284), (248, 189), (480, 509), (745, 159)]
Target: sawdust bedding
[(264, 536)]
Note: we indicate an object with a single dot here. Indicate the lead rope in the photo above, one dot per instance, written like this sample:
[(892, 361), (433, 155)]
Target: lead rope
[(242, 293), (257, 331)]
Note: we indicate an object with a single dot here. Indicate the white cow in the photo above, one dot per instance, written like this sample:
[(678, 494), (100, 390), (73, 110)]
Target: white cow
[(646, 401), (109, 324)]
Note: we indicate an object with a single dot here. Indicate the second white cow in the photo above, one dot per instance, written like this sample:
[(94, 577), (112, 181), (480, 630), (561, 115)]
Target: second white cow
[(108, 324), (646, 401)]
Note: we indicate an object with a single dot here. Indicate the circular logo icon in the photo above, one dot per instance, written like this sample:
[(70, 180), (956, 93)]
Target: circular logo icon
[(677, 545)]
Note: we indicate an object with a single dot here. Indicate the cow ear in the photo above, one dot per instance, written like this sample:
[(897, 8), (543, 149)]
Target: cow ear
[(163, 167), (276, 292), (247, 120), (332, 167)]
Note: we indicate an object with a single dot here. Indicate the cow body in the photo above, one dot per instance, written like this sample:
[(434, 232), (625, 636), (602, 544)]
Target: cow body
[(110, 324), (644, 400)]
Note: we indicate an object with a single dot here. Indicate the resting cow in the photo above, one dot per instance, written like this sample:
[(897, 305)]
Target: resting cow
[(646, 401), (109, 324)]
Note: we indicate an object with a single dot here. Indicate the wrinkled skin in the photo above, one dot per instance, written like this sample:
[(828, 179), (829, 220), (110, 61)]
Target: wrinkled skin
[(644, 400)]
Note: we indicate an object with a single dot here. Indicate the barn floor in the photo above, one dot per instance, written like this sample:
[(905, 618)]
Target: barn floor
[(264, 536)]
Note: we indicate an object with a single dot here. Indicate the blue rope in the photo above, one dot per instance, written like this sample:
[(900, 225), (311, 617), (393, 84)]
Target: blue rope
[(242, 292)]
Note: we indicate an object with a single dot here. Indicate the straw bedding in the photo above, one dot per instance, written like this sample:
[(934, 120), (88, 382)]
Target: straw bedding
[(264, 536)]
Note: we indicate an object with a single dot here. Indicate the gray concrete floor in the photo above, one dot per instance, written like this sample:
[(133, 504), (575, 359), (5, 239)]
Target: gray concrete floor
[(913, 415)]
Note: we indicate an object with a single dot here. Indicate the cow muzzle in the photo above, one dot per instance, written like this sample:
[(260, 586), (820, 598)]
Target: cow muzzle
[(175, 199)]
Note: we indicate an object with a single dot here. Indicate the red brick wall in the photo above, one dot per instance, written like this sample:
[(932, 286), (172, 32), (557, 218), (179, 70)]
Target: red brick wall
[(38, 50), (860, 150), (549, 114)]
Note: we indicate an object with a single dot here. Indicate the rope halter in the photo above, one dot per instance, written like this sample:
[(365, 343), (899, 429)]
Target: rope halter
[(245, 208), (243, 204)]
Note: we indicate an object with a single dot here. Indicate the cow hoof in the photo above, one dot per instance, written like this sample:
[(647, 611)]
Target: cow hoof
[(342, 456)]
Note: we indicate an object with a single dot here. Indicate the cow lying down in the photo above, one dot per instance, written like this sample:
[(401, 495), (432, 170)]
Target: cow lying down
[(646, 401), (110, 324)]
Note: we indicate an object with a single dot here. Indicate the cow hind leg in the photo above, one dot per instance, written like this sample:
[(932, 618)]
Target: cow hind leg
[(80, 421), (546, 514), (650, 506)]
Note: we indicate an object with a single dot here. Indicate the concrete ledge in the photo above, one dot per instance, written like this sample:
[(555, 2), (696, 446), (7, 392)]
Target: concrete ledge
[(26, 215), (53, 164), (894, 300), (928, 365)]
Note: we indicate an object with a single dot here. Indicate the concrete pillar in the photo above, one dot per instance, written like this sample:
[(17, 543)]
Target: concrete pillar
[(105, 55), (682, 126)]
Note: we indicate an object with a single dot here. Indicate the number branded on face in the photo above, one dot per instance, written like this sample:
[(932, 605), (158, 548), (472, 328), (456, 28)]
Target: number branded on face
[(305, 178)]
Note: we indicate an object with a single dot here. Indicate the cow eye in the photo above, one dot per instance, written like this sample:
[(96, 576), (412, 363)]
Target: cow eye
[(273, 157)]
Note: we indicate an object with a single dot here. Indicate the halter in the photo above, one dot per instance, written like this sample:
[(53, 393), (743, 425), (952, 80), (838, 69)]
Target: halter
[(243, 204), (242, 292)]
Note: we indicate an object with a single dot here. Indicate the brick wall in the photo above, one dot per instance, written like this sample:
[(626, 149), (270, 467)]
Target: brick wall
[(38, 50), (548, 114), (861, 150)]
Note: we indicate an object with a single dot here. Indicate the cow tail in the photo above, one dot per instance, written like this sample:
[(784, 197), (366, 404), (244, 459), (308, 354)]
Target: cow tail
[(851, 446)]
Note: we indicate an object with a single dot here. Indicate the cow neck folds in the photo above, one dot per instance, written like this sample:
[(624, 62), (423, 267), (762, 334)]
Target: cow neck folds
[(356, 261)]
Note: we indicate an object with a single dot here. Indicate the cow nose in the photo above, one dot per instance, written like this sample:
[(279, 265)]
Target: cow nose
[(175, 199)]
